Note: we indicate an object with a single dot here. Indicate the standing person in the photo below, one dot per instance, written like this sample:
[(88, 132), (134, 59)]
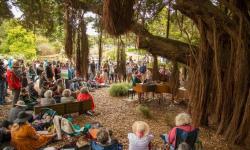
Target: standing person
[(2, 83), (129, 72), (14, 81), (92, 70), (31, 72), (57, 72), (106, 71), (49, 72), (143, 70), (111, 72)]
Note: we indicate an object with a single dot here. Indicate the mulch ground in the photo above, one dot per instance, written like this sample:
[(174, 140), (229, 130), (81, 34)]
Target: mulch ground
[(118, 114)]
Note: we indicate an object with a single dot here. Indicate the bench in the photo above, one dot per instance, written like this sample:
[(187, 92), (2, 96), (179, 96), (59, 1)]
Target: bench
[(66, 108)]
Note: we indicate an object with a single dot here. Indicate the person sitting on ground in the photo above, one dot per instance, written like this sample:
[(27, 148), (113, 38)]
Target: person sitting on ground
[(182, 121), (32, 92), (25, 137), (85, 96), (141, 138), (5, 127), (99, 79), (103, 139), (48, 100), (19, 106), (66, 96)]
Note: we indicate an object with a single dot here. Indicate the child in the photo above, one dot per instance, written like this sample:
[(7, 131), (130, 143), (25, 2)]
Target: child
[(85, 96)]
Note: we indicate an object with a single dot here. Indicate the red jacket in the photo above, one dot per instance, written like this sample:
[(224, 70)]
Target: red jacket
[(84, 97), (13, 81)]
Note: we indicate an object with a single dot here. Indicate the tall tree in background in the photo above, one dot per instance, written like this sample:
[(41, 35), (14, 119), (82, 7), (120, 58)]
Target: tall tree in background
[(100, 47)]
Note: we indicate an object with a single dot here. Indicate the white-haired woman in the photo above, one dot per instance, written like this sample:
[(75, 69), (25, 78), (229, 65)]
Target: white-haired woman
[(66, 96), (182, 121), (48, 99)]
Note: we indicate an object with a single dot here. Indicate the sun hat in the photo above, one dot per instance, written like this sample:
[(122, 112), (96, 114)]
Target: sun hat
[(20, 103), (140, 128), (23, 117)]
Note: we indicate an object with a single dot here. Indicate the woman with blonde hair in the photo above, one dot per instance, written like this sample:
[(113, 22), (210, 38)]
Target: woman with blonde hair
[(182, 121), (84, 95)]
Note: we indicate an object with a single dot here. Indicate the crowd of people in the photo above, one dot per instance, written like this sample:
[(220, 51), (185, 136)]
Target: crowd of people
[(46, 83)]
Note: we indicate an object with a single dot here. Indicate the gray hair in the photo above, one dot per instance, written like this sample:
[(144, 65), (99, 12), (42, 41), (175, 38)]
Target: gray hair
[(48, 94), (66, 93), (102, 136), (183, 119)]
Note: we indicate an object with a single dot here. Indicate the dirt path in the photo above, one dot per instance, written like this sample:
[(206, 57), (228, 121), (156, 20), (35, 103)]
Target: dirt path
[(118, 115)]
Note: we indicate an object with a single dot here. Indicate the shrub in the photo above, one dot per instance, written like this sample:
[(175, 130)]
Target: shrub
[(119, 89), (144, 110)]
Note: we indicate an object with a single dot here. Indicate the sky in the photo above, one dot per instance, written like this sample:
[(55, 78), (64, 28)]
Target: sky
[(90, 31)]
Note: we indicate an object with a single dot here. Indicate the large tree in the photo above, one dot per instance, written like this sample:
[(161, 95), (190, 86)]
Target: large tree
[(218, 64)]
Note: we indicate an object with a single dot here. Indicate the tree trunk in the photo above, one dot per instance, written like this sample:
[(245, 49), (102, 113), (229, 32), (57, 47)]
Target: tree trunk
[(220, 75), (100, 45), (155, 69)]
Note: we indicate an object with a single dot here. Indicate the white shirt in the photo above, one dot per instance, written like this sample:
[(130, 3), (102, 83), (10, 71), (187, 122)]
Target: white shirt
[(136, 143)]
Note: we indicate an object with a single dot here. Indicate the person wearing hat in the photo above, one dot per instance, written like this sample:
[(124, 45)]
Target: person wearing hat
[(141, 138), (2, 82), (24, 136), (19, 106), (14, 81)]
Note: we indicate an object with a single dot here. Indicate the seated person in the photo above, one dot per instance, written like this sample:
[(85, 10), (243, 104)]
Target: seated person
[(44, 88), (136, 78), (48, 99), (66, 96), (85, 96), (25, 137), (58, 93), (5, 127), (182, 121), (141, 138), (19, 106), (32, 92), (103, 139), (99, 79)]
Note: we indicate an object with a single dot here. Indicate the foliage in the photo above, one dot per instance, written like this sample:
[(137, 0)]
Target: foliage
[(119, 89), (144, 111), (17, 41), (181, 28)]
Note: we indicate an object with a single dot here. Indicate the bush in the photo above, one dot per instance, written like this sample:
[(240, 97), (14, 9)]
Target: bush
[(144, 110), (119, 89)]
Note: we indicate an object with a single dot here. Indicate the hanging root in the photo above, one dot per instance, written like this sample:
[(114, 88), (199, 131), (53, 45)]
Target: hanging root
[(118, 16)]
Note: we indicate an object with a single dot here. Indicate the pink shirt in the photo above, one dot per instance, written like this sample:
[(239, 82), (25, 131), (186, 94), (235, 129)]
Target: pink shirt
[(172, 133)]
